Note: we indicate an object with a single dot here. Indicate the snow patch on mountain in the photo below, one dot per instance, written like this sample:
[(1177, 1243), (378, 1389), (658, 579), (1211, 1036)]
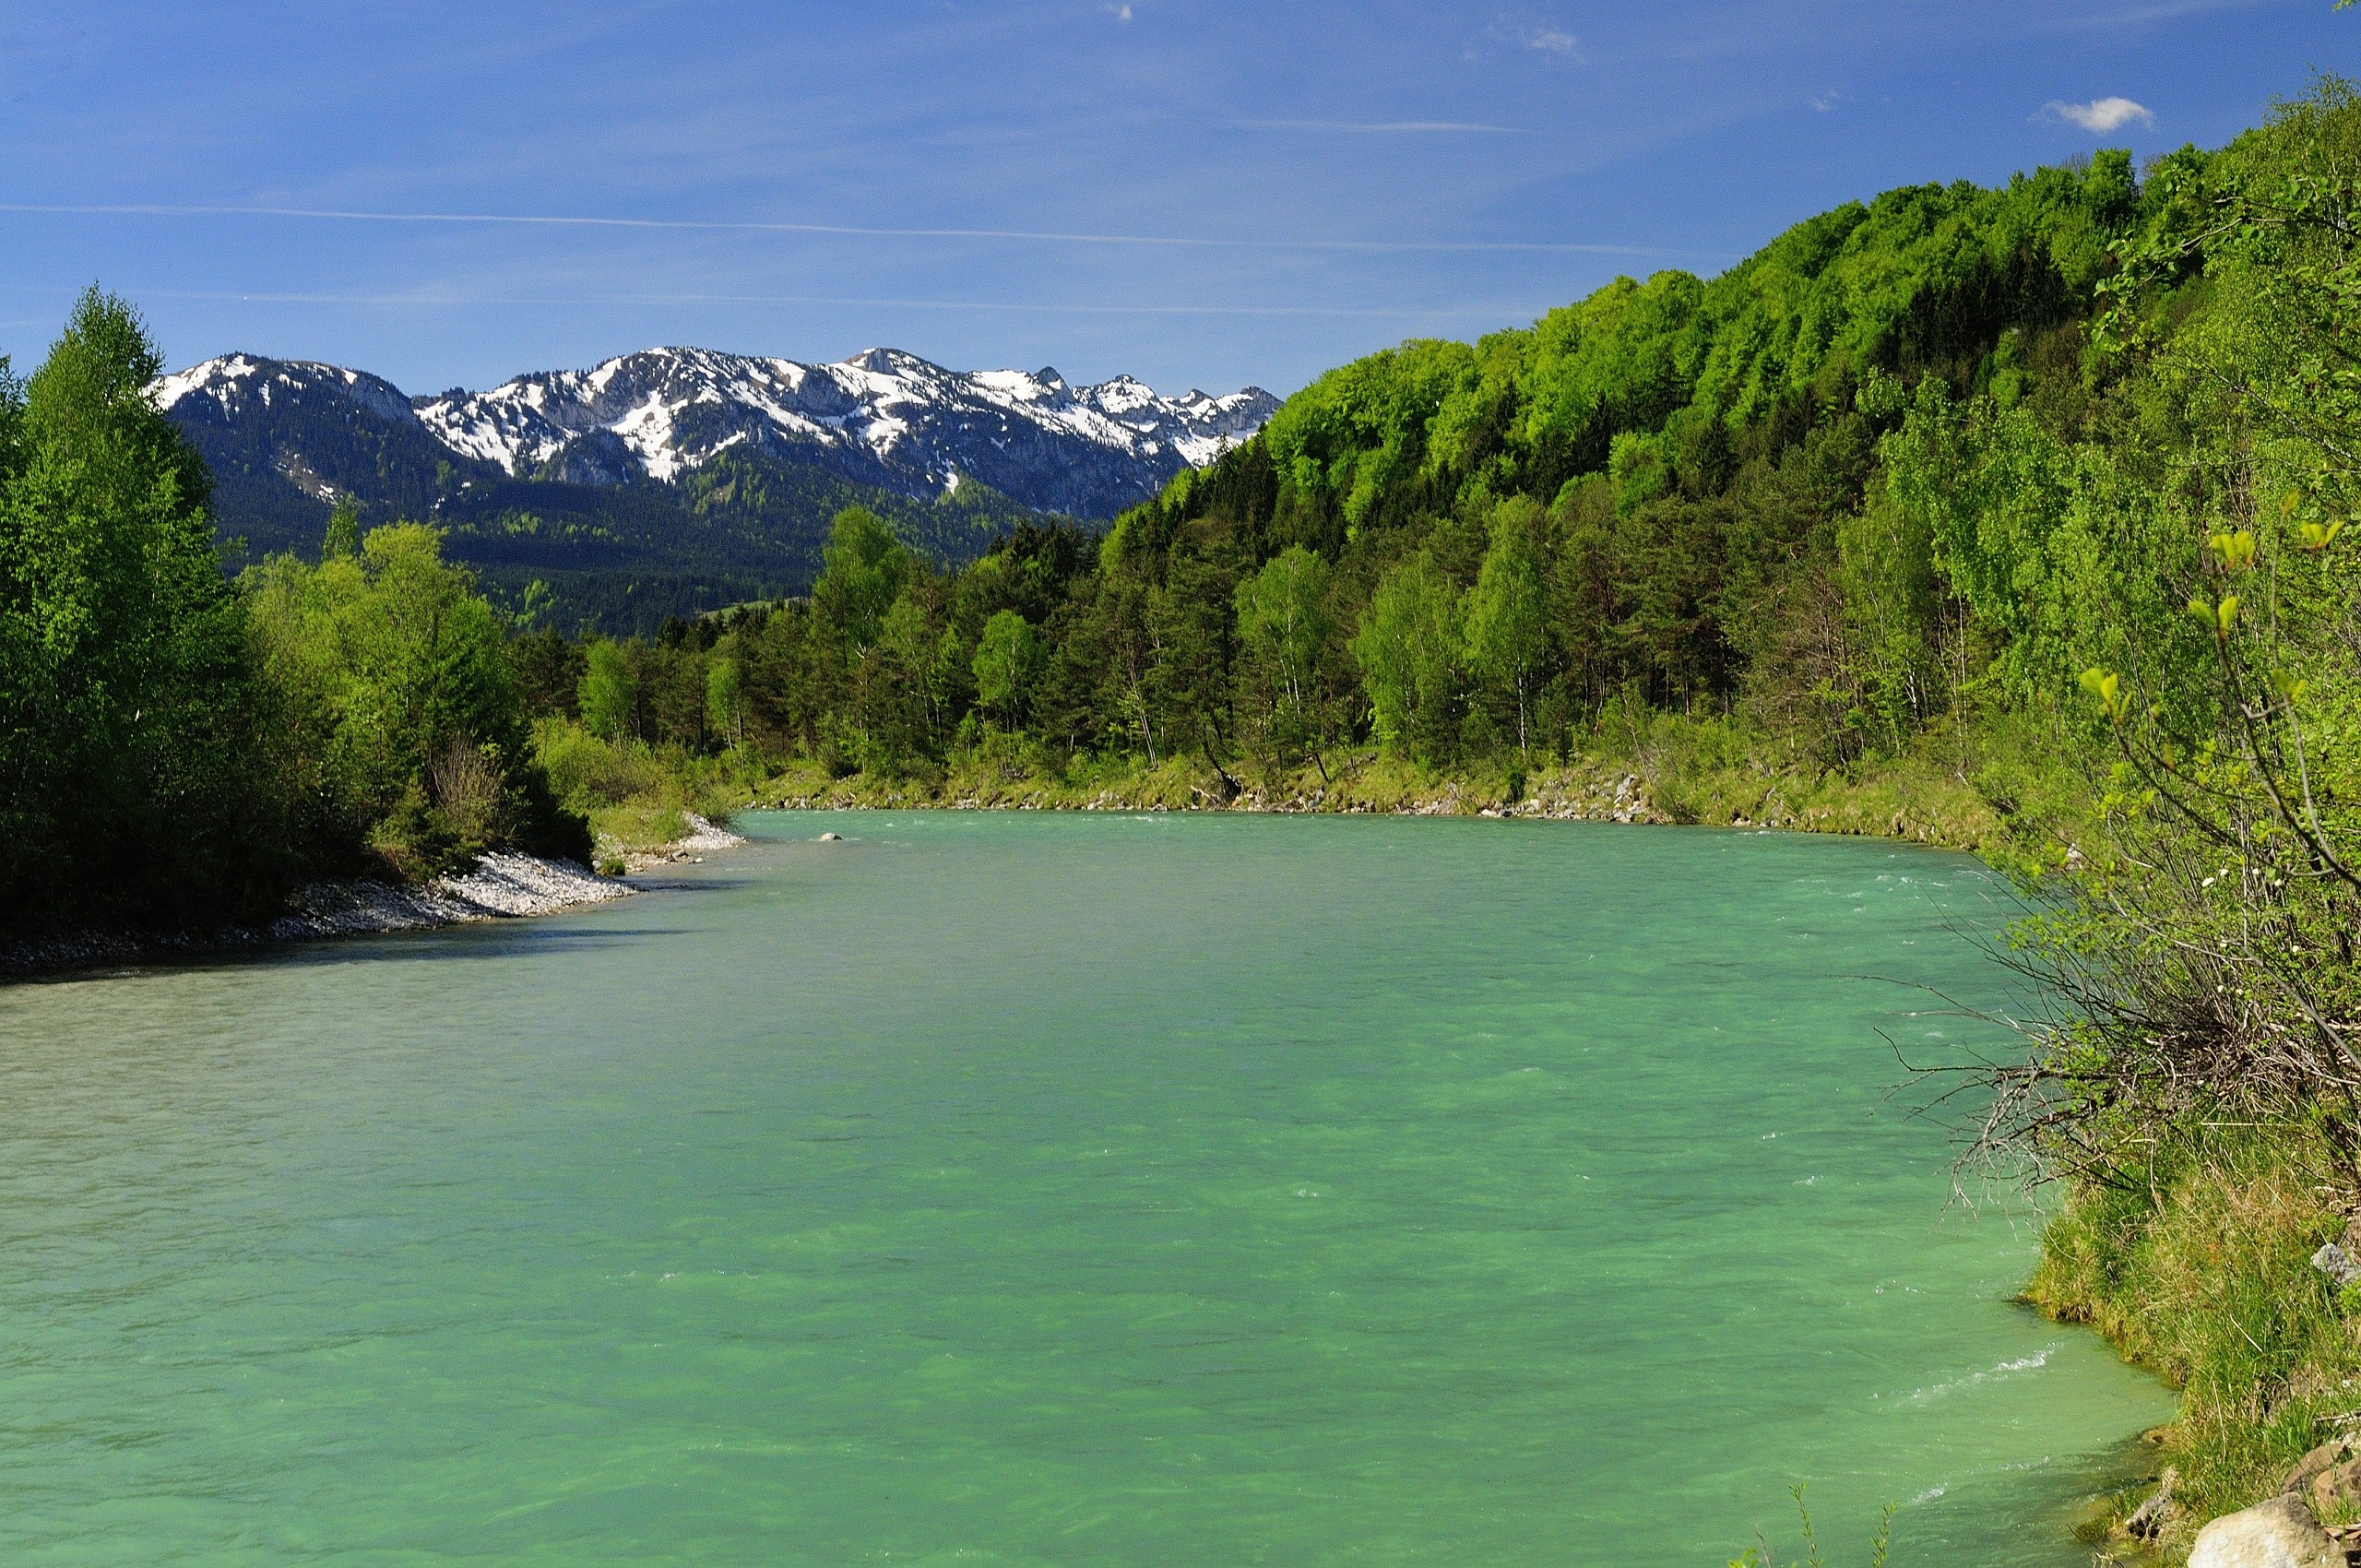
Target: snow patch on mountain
[(676, 409), (227, 381), (882, 416)]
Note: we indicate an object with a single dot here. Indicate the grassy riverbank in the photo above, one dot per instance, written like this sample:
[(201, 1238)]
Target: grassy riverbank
[(2204, 1274), (1998, 795), (1994, 793)]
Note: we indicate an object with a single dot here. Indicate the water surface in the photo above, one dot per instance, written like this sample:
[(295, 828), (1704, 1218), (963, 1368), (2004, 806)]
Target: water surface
[(1043, 1190)]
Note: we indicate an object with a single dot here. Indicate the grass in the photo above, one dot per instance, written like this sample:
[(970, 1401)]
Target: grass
[(2003, 794), (1999, 791), (638, 797), (2202, 1273)]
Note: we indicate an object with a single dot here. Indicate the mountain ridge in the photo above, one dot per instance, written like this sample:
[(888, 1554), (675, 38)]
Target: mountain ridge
[(671, 480), (884, 416)]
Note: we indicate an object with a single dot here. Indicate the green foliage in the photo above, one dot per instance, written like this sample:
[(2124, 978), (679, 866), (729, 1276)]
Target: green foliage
[(609, 696), (1508, 633), (1409, 648), (132, 761), (866, 567), (1007, 663), (391, 679), (1286, 636), (1283, 616), (725, 699), (343, 537), (1358, 431)]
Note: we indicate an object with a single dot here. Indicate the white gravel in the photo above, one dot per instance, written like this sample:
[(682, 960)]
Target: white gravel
[(704, 838), (503, 884), (500, 885)]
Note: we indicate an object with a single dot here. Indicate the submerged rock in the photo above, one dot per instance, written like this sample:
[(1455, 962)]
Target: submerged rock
[(2281, 1533)]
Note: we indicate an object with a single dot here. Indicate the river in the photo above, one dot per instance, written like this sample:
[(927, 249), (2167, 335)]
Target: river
[(1030, 1189)]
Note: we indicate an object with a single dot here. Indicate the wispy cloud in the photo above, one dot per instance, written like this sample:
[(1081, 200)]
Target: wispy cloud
[(460, 300), (1385, 125), (1040, 236), (1525, 30), (2100, 115), (2155, 11), (1826, 102), (1120, 13)]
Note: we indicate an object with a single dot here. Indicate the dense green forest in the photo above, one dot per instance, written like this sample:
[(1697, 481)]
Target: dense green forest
[(1718, 498), (178, 748), (2036, 495)]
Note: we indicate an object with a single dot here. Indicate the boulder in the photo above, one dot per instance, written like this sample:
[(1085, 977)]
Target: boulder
[(2281, 1533)]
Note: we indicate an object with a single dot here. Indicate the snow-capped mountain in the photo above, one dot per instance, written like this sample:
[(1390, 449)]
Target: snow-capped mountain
[(883, 419)]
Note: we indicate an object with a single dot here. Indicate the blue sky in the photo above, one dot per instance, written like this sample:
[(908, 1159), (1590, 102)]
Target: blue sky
[(1198, 194)]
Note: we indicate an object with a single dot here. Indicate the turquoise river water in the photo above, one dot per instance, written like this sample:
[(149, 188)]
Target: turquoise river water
[(1016, 1189)]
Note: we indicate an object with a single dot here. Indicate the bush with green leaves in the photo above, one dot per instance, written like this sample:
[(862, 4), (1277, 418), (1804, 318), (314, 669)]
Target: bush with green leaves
[(391, 686)]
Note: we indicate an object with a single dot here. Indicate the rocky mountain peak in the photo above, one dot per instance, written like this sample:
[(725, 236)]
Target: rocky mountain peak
[(883, 418)]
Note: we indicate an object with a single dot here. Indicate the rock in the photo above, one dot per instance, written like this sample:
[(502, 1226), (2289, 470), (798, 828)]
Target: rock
[(2281, 1533), (2338, 1483), (831, 837), (2148, 1521), (2337, 1264), (2327, 1456)]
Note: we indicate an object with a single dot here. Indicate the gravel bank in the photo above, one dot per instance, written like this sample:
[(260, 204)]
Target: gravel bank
[(501, 885)]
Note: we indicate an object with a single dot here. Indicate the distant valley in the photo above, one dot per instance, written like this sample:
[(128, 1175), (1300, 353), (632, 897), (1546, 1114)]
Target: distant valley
[(675, 480)]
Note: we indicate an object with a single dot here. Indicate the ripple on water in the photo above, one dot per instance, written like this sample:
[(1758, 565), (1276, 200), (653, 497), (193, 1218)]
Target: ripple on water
[(1038, 1189)]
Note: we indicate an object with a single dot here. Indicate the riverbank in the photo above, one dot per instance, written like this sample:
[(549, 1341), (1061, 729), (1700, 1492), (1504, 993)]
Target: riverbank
[(1917, 798), (503, 884), (1995, 789), (2210, 1274)]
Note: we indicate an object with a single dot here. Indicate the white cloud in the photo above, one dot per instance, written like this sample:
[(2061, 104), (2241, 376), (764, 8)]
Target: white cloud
[(1120, 13), (2100, 115), (1826, 102), (1527, 31)]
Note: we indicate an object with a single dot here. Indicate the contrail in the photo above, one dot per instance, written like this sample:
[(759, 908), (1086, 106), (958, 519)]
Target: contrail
[(1034, 236), (575, 303)]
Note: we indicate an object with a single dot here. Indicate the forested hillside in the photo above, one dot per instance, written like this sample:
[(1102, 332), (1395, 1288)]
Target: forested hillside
[(1711, 497)]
